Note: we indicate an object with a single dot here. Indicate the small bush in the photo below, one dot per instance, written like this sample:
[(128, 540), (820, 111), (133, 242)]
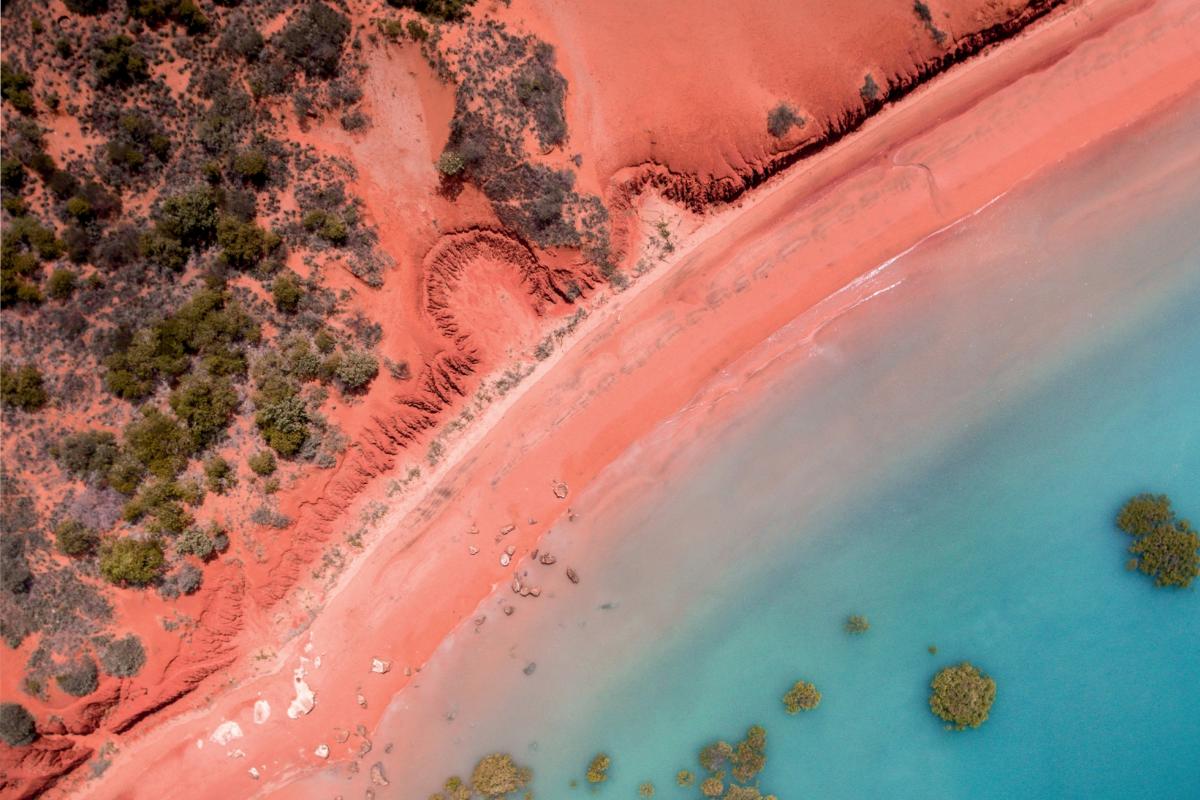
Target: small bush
[(781, 119), (244, 244), (133, 562), (119, 63), (450, 163), (856, 623), (436, 9), (1142, 514), (22, 387), (87, 7), (88, 454), (355, 370), (803, 696), (61, 284), (80, 678), (199, 543), (328, 225), (1169, 554), (498, 775), (262, 462), (187, 580), (597, 771), (313, 39), (287, 292), (17, 726), (73, 538), (190, 217), (284, 424), (962, 696), (219, 475), (159, 442), (15, 87), (685, 778), (206, 405), (123, 658), (241, 38)]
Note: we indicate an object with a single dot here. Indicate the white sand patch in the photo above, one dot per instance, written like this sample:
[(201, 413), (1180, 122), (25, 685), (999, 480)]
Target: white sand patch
[(305, 697), (226, 732), (262, 711)]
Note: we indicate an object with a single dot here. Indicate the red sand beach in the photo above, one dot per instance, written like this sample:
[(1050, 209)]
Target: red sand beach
[(734, 280)]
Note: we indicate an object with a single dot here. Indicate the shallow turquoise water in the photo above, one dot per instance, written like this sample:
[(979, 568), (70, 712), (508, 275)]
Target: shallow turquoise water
[(946, 459)]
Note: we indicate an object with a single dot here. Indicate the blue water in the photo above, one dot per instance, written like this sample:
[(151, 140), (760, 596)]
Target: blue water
[(1001, 551), (946, 460)]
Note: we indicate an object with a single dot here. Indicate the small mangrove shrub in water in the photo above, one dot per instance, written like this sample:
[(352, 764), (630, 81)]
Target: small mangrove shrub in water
[(597, 771), (856, 623), (1165, 548), (803, 696), (962, 696)]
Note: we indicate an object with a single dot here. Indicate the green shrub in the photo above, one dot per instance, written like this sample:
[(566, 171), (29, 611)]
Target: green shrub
[(12, 174), (355, 370), (962, 696), (133, 562), (450, 163), (200, 543), (241, 38), (80, 678), (123, 658), (164, 251), (251, 165), (1169, 554), (244, 244), (313, 38), (159, 442), (782, 119), (87, 7), (74, 538), (126, 474), (205, 405), (219, 475), (21, 387), (1165, 548), (803, 696), (328, 225), (118, 62), (61, 284), (284, 424), (190, 217), (15, 87), (162, 502), (17, 726), (436, 9), (498, 775), (262, 462), (597, 771), (287, 291), (750, 754), (685, 778), (87, 454), (1143, 513)]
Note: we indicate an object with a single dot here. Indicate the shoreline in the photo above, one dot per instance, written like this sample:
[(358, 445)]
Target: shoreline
[(503, 468)]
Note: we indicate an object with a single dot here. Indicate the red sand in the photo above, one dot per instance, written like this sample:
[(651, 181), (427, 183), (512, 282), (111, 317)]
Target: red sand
[(747, 271)]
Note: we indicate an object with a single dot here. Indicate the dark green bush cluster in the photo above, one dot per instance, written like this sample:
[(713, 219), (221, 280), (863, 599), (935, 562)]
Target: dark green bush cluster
[(1164, 547), (185, 580), (123, 658), (87, 7), (329, 225), (17, 726), (244, 244), (211, 325), (262, 463), (22, 387), (23, 246), (161, 504), (87, 454), (185, 13), (119, 62), (190, 217), (962, 696), (287, 291), (436, 9), (73, 538), (15, 87), (138, 143), (219, 475), (79, 678), (312, 39), (204, 543), (241, 38), (131, 562)]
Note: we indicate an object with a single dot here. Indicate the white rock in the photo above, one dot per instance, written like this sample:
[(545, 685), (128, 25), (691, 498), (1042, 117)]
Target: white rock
[(305, 697), (505, 559), (254, 773), (226, 732), (262, 711), (380, 666), (473, 550), (322, 751), (511, 550)]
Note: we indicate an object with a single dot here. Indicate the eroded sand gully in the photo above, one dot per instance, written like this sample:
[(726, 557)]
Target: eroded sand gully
[(743, 275)]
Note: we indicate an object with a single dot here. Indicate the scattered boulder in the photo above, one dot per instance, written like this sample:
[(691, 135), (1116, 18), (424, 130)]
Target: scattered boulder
[(377, 776), (380, 666), (322, 751), (560, 490), (548, 559), (572, 575)]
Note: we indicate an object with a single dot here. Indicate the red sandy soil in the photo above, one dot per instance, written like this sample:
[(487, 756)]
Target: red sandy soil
[(737, 276)]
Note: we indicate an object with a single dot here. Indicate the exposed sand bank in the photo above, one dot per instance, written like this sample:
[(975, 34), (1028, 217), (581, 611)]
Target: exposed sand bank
[(743, 275)]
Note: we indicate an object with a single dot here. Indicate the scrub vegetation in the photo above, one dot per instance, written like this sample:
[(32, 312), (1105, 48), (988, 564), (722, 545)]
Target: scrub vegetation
[(962, 696), (1164, 547)]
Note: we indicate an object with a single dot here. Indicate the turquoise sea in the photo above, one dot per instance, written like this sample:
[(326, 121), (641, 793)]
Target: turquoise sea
[(946, 459)]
